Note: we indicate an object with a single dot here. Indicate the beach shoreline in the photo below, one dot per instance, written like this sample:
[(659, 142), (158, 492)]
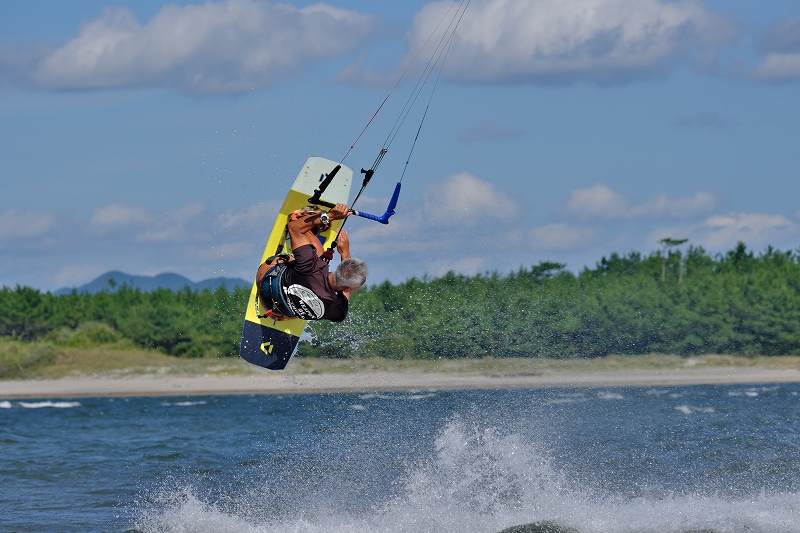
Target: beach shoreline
[(291, 382)]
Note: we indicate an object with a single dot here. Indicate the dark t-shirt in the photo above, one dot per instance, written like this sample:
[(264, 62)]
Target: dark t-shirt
[(306, 287)]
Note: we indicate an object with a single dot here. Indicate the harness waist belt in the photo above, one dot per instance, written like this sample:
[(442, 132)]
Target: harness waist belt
[(271, 292)]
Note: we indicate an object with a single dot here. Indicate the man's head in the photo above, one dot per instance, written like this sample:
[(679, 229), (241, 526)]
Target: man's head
[(351, 273)]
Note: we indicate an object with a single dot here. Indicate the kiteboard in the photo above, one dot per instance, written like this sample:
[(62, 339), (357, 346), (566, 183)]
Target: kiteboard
[(267, 342)]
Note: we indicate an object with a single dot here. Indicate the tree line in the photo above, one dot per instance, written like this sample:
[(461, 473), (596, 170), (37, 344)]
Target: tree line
[(186, 323), (681, 302), (677, 302)]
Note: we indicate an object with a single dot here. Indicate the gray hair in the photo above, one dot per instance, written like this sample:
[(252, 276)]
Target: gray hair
[(351, 273)]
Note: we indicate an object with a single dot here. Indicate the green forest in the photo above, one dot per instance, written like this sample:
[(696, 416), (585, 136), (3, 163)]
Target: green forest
[(677, 302)]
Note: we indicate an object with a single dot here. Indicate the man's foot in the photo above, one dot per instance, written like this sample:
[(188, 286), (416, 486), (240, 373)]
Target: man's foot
[(277, 316)]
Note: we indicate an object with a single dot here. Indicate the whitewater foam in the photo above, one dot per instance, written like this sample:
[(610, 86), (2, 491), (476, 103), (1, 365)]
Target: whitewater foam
[(478, 480), (55, 405)]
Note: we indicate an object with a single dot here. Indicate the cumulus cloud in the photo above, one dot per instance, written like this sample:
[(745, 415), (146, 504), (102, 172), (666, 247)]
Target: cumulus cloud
[(664, 205), (457, 227), (560, 237), (597, 201), (601, 202), (171, 225), (141, 224), (70, 249), (783, 37), (214, 47), (259, 215), (722, 232), (75, 274), (490, 131), (117, 216), (555, 41), (465, 200), (15, 224), (779, 67), (463, 224), (456, 214), (781, 49), (752, 228)]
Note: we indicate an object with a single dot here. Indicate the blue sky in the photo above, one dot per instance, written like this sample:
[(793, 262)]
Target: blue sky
[(147, 136)]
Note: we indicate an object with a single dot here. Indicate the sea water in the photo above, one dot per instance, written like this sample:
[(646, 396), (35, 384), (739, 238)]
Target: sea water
[(635, 459)]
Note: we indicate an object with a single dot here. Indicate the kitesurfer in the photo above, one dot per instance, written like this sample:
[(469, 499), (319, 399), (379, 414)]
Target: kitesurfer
[(300, 285)]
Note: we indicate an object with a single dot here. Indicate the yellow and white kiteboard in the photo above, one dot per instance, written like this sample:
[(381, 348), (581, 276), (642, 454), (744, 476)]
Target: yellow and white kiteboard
[(267, 342)]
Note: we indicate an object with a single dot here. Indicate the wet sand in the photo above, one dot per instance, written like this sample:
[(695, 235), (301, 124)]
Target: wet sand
[(287, 382)]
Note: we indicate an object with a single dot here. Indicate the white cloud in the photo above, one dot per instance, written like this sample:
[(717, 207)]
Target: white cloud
[(171, 226), (22, 225), (565, 40), (75, 274), (144, 225), (721, 232), (57, 249), (560, 237), (117, 216), (405, 234), (215, 47), (601, 202), (778, 67), (752, 228), (597, 201), (465, 200), (781, 46), (665, 205), (259, 215), (456, 219), (783, 37), (69, 250), (464, 224)]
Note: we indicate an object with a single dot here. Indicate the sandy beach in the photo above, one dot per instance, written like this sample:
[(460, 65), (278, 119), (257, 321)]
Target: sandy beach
[(289, 382)]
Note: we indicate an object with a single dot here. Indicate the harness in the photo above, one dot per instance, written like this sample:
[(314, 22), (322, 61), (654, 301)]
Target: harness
[(270, 289)]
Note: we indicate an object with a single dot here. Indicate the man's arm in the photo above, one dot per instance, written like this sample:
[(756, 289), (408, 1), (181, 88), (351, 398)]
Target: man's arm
[(300, 229), (343, 242)]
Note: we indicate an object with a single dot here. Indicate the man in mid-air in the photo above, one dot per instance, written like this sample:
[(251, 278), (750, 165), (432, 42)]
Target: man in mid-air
[(300, 285)]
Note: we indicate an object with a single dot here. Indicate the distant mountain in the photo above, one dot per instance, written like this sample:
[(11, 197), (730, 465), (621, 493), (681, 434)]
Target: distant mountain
[(112, 281)]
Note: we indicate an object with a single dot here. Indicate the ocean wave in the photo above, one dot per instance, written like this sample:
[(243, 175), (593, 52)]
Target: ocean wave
[(184, 404), (607, 395), (56, 405), (410, 395), (690, 409), (420, 396)]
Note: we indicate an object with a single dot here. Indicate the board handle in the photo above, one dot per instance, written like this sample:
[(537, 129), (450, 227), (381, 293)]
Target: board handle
[(314, 200)]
